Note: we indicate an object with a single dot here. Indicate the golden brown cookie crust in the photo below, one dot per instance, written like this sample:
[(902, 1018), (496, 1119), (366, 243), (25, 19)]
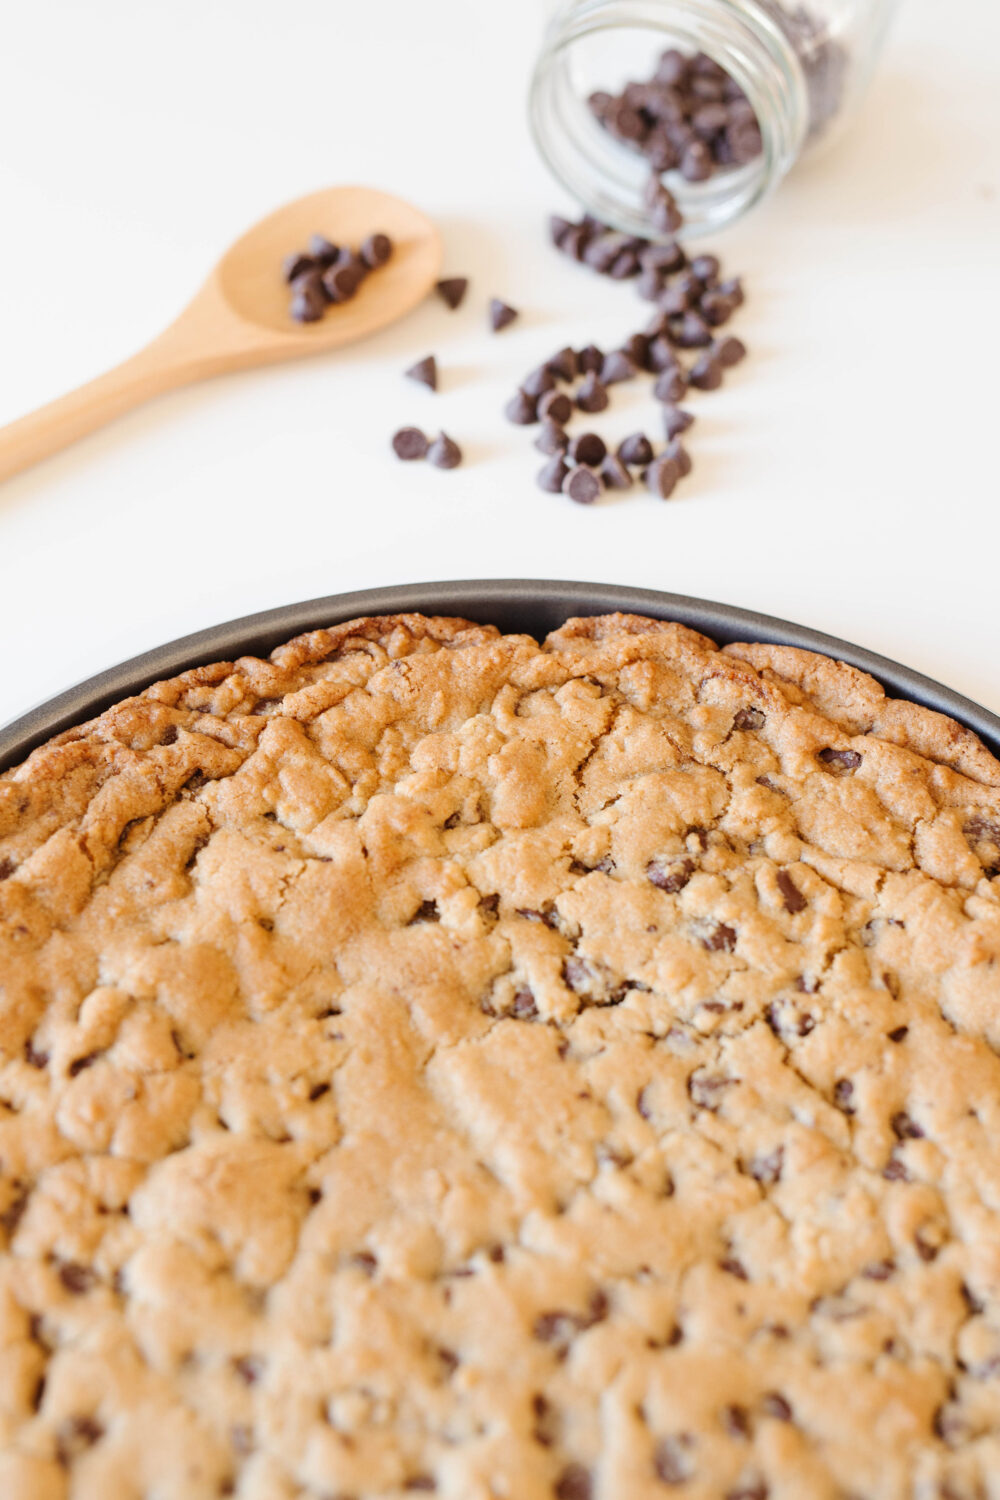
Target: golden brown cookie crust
[(435, 1062)]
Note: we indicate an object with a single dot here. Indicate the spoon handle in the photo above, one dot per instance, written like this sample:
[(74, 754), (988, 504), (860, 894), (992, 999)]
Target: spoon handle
[(53, 427)]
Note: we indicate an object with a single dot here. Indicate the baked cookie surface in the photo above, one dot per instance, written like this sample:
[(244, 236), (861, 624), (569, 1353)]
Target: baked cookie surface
[(435, 1062)]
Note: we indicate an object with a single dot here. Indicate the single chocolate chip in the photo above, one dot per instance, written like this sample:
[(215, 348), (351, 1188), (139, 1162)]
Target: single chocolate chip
[(636, 346), (675, 421), (624, 266), (574, 1483), (662, 355), (444, 452), (615, 475), (767, 1169), (323, 251), (582, 485), (410, 443), (553, 474), (721, 939), (342, 281), (539, 382), (671, 385), (558, 228), (675, 302), (296, 264), (696, 163), (716, 308), (603, 250), (730, 351), (452, 291), (636, 450), (588, 448), (521, 409), (575, 241), (709, 119), (899, 1034), (706, 372), (75, 1278), (501, 314), (706, 268), (672, 68), (555, 406), (693, 332), (665, 216), (662, 476), (791, 895), (523, 1006), (671, 1464), (424, 371), (591, 396), (843, 1095), (589, 361), (307, 306), (563, 365), (748, 719), (840, 762), (650, 286), (376, 250), (733, 289), (552, 438), (618, 366), (681, 457)]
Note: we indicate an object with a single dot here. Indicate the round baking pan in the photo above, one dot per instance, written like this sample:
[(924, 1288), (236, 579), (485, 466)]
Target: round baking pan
[(533, 605)]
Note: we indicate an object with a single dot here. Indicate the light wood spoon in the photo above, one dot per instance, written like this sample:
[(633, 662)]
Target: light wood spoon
[(240, 316)]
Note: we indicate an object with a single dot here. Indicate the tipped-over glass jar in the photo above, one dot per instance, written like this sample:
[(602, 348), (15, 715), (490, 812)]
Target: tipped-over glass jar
[(721, 97)]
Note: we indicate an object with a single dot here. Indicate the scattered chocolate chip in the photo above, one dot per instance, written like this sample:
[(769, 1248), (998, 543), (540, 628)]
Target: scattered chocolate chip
[(716, 308), (706, 372), (552, 438), (672, 877), (662, 476), (676, 451), (523, 1006), (564, 364), (591, 396), (670, 385), (552, 475), (729, 351), (556, 406), (675, 421), (636, 450), (424, 371), (558, 228), (615, 475), (707, 1090), (721, 939), (899, 1034), (618, 366), (671, 1463), (452, 291), (410, 443), (582, 485), (749, 719), (734, 1267), (650, 286), (539, 382), (589, 361), (521, 409), (501, 315), (444, 452), (843, 1095), (588, 448), (376, 250), (793, 897), (661, 355)]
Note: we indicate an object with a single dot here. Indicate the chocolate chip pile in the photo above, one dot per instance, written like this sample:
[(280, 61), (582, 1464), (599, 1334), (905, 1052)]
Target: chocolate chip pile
[(325, 274), (692, 302), (691, 116)]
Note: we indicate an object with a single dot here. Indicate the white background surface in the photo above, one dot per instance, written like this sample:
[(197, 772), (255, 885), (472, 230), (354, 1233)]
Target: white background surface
[(847, 477)]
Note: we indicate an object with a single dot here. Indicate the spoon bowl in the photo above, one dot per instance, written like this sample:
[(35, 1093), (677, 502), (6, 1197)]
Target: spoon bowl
[(240, 317)]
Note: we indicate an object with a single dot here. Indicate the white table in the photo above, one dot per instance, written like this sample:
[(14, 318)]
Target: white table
[(845, 478)]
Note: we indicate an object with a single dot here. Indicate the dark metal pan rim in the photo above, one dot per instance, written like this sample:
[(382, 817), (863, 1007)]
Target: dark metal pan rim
[(535, 606)]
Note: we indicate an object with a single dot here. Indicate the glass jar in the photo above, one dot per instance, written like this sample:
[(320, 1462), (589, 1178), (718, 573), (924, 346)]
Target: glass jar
[(799, 68)]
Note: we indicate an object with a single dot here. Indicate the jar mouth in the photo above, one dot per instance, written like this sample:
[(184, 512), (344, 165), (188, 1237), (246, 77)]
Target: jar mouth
[(608, 177)]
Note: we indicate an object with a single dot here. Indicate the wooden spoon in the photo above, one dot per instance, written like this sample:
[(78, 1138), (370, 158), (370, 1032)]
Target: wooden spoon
[(240, 316)]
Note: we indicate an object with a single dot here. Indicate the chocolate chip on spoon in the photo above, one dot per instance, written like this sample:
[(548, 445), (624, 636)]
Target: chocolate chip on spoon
[(323, 251), (452, 290), (410, 443), (501, 315), (307, 306), (444, 452), (424, 371), (376, 250), (296, 264)]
